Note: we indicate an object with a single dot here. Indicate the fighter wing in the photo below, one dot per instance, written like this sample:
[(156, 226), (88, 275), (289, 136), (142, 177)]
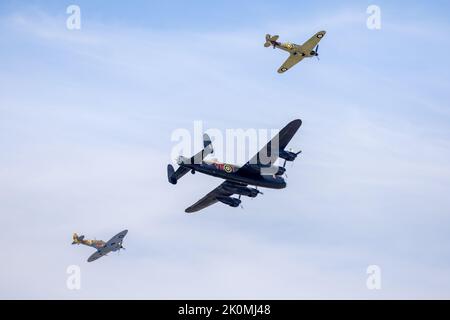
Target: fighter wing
[(116, 240), (309, 45), (98, 254), (211, 197), (293, 59), (269, 154)]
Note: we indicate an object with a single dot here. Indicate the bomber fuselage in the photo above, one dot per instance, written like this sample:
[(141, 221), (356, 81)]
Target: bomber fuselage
[(235, 173)]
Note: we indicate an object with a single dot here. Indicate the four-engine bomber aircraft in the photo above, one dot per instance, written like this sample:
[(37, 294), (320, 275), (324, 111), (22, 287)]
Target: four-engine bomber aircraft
[(103, 248), (259, 171), (296, 52)]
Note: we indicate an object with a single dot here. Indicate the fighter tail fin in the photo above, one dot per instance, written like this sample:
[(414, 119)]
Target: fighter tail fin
[(271, 40), (77, 239)]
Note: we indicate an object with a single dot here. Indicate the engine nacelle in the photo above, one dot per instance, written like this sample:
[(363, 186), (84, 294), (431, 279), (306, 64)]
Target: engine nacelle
[(280, 171), (232, 202), (244, 191), (287, 155), (269, 170)]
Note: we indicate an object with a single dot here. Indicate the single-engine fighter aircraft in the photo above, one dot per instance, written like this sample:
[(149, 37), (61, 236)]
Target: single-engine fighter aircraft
[(258, 172), (296, 52), (103, 248)]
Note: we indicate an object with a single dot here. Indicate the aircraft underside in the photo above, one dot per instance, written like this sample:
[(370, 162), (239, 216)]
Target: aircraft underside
[(251, 179)]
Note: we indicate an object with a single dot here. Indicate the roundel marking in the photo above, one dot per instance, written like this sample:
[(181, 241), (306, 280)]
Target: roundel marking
[(227, 168), (319, 35)]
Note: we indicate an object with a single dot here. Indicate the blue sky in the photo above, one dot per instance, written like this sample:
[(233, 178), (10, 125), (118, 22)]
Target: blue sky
[(86, 118)]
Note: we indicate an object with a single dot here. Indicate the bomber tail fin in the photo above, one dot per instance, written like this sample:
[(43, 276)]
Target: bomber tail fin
[(173, 176)]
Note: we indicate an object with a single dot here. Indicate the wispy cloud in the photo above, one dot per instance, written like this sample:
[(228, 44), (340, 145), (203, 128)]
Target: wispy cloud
[(85, 124)]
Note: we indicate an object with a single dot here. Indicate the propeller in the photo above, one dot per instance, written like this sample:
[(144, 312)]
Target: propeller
[(296, 153), (259, 192), (239, 197), (317, 53), (285, 161), (284, 165)]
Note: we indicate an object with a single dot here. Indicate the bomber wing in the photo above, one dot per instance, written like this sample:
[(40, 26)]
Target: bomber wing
[(212, 197), (270, 152)]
